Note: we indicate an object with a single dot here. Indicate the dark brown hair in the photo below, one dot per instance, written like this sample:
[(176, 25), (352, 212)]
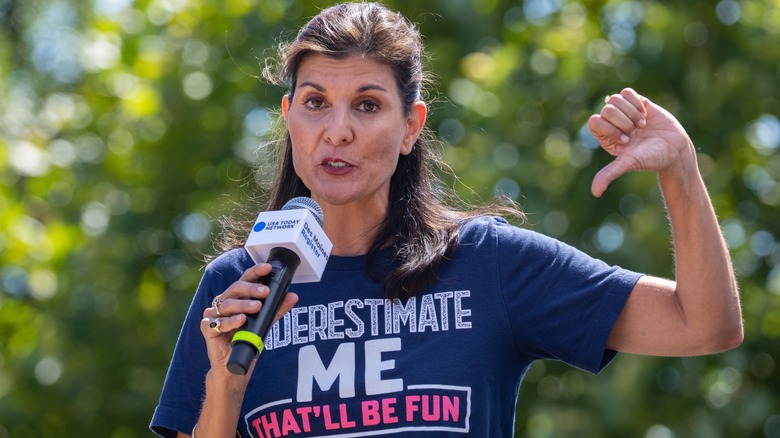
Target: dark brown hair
[(421, 223)]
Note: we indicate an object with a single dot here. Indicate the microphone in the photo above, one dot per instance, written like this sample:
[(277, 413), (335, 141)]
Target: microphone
[(292, 241)]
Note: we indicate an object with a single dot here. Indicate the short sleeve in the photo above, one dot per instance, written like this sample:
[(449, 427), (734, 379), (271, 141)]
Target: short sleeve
[(562, 303)]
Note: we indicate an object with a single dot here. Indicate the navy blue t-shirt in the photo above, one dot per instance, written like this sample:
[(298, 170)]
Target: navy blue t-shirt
[(346, 362)]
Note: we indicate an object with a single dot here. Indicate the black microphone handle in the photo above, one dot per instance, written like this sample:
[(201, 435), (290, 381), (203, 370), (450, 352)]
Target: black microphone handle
[(248, 340)]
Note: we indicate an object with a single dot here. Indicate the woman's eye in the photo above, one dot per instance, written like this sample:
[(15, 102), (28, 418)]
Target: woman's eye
[(368, 106), (314, 103)]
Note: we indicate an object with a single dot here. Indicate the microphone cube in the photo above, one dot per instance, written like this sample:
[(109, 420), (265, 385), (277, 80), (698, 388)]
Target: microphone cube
[(296, 230)]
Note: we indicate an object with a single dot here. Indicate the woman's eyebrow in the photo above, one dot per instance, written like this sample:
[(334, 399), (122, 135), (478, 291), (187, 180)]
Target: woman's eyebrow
[(361, 89), (317, 87), (371, 87)]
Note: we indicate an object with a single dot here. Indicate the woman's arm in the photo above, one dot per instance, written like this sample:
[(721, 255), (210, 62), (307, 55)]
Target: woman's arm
[(699, 312), (225, 391)]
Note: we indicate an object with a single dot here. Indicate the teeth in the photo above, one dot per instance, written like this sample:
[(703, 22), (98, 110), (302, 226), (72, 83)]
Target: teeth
[(337, 164)]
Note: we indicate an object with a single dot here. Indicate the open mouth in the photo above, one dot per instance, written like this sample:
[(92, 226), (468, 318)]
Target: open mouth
[(336, 166)]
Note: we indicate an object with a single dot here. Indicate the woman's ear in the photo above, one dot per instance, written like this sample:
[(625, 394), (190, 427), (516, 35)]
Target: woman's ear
[(285, 106), (414, 125)]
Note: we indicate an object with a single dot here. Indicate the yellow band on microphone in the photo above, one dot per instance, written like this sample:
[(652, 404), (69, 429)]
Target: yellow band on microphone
[(249, 337)]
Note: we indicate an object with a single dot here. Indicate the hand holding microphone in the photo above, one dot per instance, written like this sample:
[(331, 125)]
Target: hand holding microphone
[(293, 243), (229, 310)]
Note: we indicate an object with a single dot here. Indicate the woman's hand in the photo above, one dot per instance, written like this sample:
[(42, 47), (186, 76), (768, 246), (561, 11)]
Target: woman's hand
[(641, 136), (229, 311)]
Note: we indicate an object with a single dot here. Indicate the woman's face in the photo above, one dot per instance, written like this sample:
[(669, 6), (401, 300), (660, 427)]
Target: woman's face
[(348, 129)]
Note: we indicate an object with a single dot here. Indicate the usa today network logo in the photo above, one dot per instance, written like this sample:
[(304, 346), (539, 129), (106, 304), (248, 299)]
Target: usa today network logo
[(275, 225)]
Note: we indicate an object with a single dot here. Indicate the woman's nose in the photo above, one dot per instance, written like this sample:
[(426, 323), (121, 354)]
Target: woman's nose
[(339, 128)]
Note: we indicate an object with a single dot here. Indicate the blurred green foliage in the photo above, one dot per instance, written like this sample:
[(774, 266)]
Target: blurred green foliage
[(128, 126)]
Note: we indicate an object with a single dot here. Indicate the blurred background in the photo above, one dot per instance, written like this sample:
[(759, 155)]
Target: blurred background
[(129, 126)]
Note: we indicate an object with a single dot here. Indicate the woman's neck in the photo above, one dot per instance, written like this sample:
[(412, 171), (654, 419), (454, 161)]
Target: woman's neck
[(351, 229)]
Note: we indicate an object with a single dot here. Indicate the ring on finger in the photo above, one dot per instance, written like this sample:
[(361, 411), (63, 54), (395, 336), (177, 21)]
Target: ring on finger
[(215, 304), (606, 98), (215, 324)]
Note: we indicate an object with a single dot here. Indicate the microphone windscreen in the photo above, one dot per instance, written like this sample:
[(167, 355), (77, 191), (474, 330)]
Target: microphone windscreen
[(305, 203)]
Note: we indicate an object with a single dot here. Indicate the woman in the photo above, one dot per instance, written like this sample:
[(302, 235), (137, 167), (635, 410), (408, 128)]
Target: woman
[(426, 317)]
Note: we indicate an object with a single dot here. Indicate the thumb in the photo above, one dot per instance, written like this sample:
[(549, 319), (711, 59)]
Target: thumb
[(605, 176)]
